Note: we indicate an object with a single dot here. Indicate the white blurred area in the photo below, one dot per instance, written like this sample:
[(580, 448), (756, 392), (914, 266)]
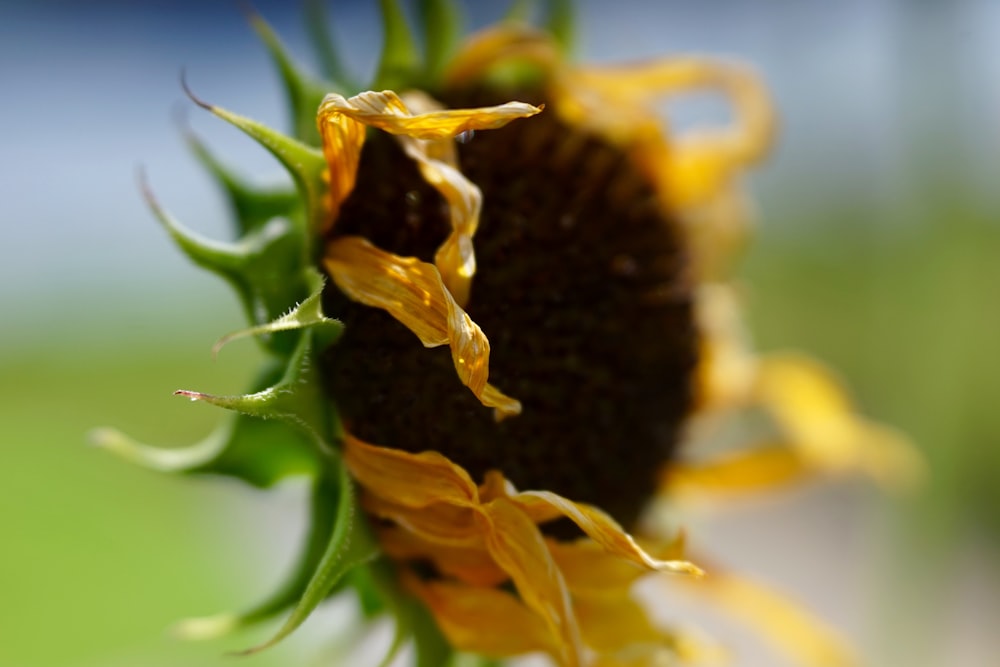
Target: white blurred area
[(877, 99)]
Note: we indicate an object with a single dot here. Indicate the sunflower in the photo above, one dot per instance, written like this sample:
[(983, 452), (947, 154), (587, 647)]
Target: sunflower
[(500, 319)]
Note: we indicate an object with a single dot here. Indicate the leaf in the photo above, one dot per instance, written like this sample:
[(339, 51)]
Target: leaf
[(350, 545)]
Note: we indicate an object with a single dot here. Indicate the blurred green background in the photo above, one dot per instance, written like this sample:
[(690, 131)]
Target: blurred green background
[(877, 251)]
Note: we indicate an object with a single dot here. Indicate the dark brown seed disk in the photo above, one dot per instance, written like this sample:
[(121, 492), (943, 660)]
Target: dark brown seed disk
[(582, 291)]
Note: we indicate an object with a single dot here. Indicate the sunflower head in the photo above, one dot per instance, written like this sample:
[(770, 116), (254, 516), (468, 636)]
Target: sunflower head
[(495, 306)]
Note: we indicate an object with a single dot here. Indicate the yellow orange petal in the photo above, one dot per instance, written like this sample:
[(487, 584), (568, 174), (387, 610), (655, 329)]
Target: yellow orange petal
[(470, 564), (386, 111), (497, 45), (412, 480), (759, 468), (811, 406), (487, 621), (413, 293), (606, 532), (592, 571), (517, 546)]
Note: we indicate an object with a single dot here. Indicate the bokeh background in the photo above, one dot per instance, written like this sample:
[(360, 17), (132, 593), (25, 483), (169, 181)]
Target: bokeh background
[(878, 251)]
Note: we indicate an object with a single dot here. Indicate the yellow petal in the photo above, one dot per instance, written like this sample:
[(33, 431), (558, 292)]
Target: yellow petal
[(606, 532), (342, 139), (469, 564), (412, 480), (437, 160), (783, 622), (811, 406), (760, 468), (487, 621), (517, 546), (413, 293), (591, 571), (498, 45), (386, 111), (610, 624), (745, 141)]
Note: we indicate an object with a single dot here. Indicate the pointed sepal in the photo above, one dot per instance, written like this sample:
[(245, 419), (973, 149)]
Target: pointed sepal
[(296, 398), (251, 207), (264, 267), (305, 164), (399, 67), (441, 25), (304, 92), (258, 452), (307, 314), (330, 62)]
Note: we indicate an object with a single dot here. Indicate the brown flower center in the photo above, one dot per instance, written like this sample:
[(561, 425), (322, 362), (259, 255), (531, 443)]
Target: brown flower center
[(582, 290)]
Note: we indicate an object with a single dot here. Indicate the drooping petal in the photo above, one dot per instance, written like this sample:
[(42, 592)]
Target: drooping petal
[(413, 480), (413, 292), (607, 532), (516, 544), (468, 564), (811, 406), (487, 621), (763, 467)]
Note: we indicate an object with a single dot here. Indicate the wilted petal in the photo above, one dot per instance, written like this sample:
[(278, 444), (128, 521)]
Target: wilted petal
[(413, 293), (487, 621), (606, 532)]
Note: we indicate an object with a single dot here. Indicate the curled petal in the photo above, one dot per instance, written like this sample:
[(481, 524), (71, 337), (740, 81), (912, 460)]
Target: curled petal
[(606, 532), (413, 293), (386, 111), (498, 45), (487, 621)]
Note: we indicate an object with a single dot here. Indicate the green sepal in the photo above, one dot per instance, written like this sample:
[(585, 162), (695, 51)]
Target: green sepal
[(260, 453), (350, 545), (323, 518), (296, 398), (441, 24), (305, 164), (560, 22), (519, 11), (251, 207), (330, 62), (307, 314), (399, 67), (263, 267), (304, 93)]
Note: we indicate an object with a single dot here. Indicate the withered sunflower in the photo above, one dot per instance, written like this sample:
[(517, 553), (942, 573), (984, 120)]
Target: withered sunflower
[(499, 311)]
